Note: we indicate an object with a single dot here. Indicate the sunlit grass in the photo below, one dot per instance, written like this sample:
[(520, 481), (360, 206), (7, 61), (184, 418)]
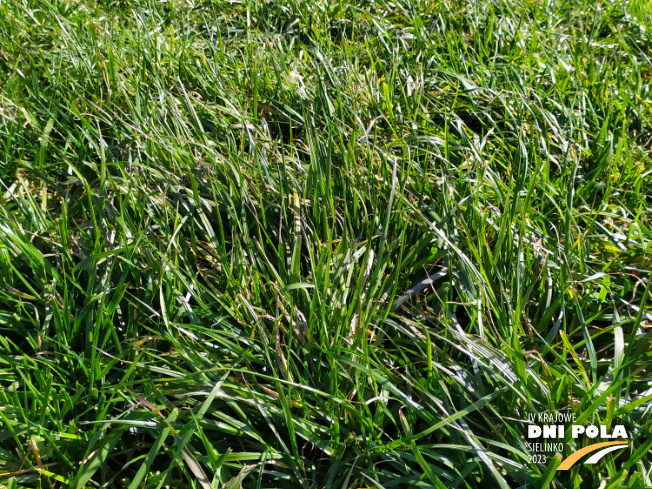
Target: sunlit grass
[(322, 244)]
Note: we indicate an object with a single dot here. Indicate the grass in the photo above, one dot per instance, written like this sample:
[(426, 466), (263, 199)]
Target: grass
[(322, 244)]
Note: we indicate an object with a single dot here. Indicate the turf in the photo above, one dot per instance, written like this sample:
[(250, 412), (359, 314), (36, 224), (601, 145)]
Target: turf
[(322, 244)]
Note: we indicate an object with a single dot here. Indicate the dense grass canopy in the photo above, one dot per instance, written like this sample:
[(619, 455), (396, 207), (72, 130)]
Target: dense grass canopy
[(322, 244)]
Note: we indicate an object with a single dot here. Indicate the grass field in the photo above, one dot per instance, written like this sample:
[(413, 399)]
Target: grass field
[(326, 244)]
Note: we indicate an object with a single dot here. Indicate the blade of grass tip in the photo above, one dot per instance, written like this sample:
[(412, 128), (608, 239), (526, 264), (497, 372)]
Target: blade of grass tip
[(236, 482), (195, 468), (575, 357), (213, 393)]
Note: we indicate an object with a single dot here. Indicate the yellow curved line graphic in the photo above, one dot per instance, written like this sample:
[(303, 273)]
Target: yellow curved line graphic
[(570, 461)]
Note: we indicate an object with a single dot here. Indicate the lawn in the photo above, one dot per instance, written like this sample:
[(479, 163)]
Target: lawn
[(323, 244)]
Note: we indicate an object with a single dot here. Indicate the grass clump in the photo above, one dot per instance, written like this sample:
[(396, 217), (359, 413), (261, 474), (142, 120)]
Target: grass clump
[(321, 244)]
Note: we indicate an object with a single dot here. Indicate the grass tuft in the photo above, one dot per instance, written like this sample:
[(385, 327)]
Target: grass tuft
[(322, 244)]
